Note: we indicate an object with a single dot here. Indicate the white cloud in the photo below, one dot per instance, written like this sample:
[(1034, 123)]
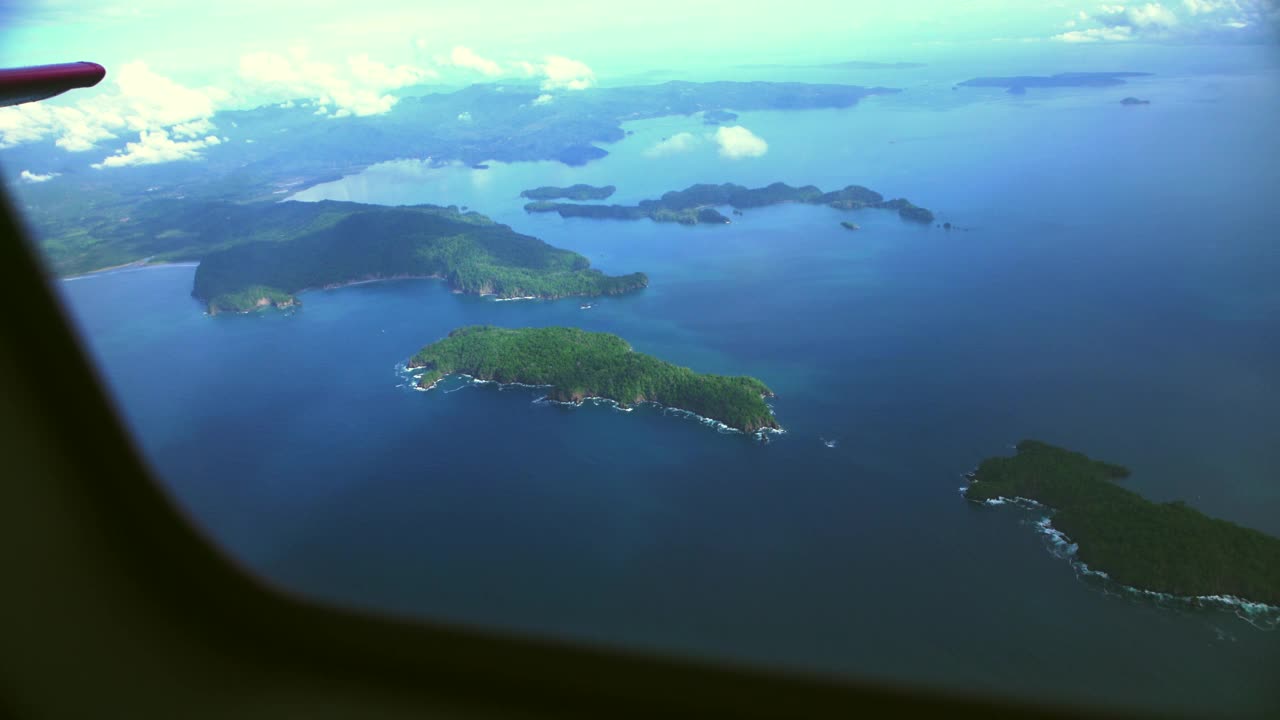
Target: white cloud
[(1113, 34), (465, 57), (28, 176), (360, 89), (678, 143), (82, 130), (1198, 7), (1151, 15), (543, 99), (1121, 22), (152, 100), (24, 123), (738, 142), (1194, 20), (563, 72), (557, 72), (156, 147), (133, 99), (376, 74), (193, 129)]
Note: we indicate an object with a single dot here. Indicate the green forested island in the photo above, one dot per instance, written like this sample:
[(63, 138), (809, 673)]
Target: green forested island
[(716, 117), (1163, 547), (573, 192), (577, 364), (282, 248), (693, 205)]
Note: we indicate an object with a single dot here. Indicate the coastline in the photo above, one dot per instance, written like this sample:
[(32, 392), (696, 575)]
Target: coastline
[(142, 264), (596, 400), (1064, 548), (352, 283), (437, 276)]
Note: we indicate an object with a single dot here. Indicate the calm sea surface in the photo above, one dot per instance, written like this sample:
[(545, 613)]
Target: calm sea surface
[(1115, 290)]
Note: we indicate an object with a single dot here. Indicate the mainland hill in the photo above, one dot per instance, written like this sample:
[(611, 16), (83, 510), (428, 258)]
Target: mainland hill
[(281, 249)]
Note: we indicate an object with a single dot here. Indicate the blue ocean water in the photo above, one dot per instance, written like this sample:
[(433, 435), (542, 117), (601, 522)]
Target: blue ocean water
[(1114, 291)]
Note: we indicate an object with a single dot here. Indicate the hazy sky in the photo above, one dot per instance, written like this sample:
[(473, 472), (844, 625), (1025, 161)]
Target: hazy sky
[(171, 65), (216, 32), (204, 37)]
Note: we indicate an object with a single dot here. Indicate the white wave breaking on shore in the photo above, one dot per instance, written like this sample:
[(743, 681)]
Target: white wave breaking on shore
[(1015, 500), (1259, 615), (412, 377), (721, 427)]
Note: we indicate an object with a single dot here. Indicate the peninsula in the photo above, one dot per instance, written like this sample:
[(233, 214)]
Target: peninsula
[(846, 65), (573, 192), (1018, 84), (576, 364), (694, 204), (296, 246), (1163, 547)]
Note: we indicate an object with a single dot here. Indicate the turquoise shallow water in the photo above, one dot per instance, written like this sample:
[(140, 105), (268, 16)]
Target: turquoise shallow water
[(1115, 294)]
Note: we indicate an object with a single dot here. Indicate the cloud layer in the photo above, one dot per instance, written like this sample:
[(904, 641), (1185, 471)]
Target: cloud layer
[(557, 72), (360, 88), (161, 120), (1218, 20), (137, 100), (172, 121), (564, 73), (464, 57)]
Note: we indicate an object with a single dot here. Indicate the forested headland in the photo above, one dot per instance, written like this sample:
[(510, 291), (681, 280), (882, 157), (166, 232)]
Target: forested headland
[(1164, 547), (357, 242)]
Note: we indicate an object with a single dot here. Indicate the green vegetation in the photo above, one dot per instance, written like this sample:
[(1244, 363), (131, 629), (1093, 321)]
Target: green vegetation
[(573, 192), (1164, 547), (908, 211), (716, 117), (171, 230), (349, 242), (88, 219), (692, 205), (577, 364), (254, 297)]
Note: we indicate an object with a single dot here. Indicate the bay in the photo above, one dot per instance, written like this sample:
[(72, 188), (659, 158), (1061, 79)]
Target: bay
[(1113, 291)]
